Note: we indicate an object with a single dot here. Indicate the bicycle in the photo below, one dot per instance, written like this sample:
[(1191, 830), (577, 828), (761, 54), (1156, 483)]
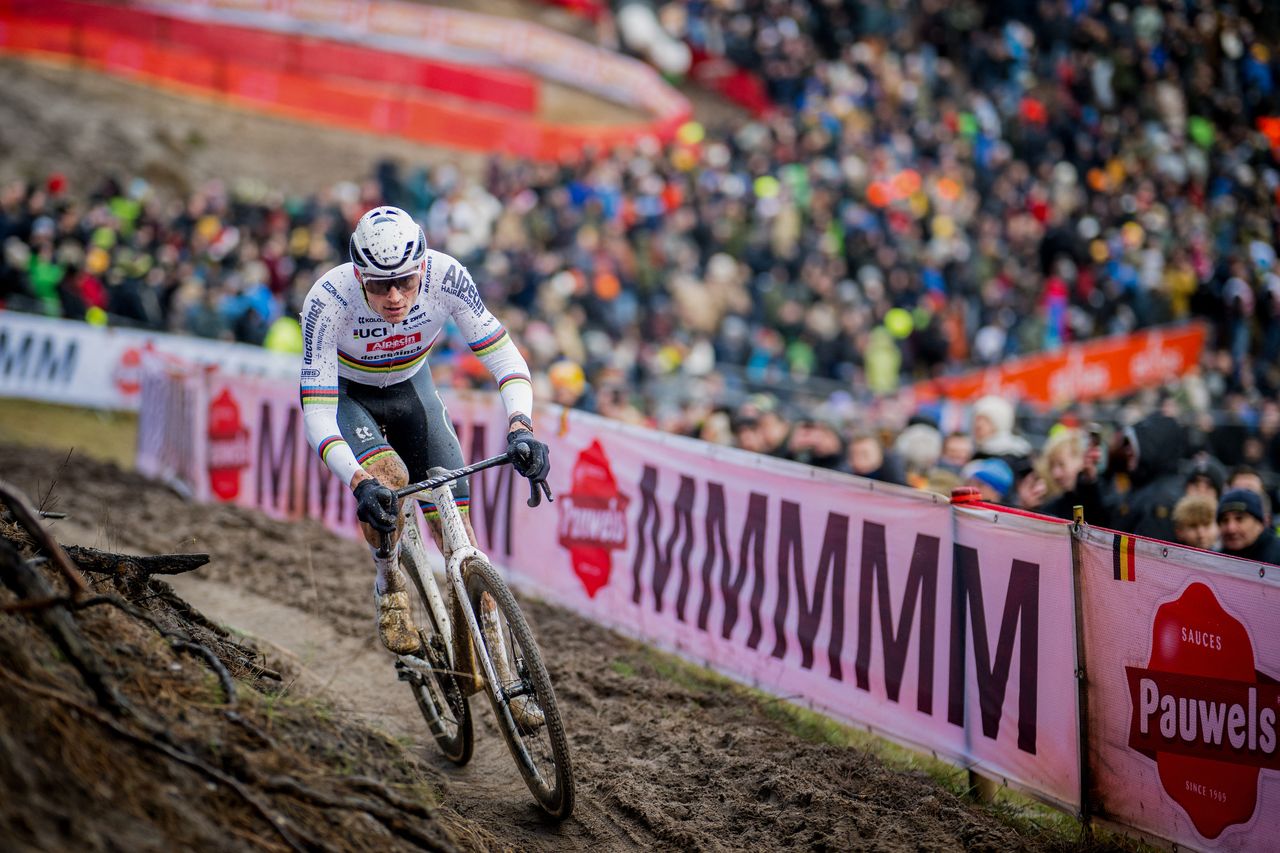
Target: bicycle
[(481, 631)]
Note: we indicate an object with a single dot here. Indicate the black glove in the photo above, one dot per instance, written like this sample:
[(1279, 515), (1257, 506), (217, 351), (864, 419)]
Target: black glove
[(532, 460), (376, 505)]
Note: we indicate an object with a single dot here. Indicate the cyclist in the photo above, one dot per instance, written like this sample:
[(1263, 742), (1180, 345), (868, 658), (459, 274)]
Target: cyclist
[(370, 407)]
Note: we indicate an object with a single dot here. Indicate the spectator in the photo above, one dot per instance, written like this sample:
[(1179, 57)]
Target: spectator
[(957, 451), (993, 419), (1246, 477), (717, 428), (867, 458), (1069, 466), (1195, 522), (1029, 487), (816, 442), (1205, 478), (1245, 533), (992, 477), (920, 447), (760, 427), (1145, 480), (569, 386)]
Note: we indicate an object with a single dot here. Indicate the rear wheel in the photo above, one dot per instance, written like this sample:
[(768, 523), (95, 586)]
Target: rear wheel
[(442, 704), (523, 700)]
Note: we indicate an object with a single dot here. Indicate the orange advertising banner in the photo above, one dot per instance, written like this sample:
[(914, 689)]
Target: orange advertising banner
[(1109, 367)]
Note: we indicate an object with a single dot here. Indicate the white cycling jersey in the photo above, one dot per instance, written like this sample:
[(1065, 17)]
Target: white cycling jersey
[(343, 337)]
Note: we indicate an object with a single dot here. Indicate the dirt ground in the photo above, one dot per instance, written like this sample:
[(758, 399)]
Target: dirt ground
[(117, 737), (664, 758)]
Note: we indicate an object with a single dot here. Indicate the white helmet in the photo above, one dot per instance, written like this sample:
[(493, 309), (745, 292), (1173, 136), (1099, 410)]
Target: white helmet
[(387, 243)]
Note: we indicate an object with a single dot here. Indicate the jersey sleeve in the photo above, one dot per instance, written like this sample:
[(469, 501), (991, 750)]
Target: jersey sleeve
[(489, 340), (318, 383)]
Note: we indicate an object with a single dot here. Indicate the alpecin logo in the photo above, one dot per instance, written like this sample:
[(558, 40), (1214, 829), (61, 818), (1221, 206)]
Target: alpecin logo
[(228, 446), (1203, 713), (593, 519), (394, 343)]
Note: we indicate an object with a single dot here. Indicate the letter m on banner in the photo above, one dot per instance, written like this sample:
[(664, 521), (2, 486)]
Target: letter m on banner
[(1021, 619)]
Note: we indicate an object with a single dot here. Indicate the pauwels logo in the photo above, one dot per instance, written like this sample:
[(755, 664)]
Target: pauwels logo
[(228, 446), (393, 343), (1203, 713), (128, 373), (593, 519)]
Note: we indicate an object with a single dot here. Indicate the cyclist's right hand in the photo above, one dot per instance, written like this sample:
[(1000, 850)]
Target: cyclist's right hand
[(376, 505), (531, 459)]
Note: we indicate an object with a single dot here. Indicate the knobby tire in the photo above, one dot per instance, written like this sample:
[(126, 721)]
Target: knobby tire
[(554, 795)]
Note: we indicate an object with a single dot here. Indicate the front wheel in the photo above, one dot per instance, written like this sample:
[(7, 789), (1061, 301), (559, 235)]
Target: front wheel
[(441, 702), (523, 699)]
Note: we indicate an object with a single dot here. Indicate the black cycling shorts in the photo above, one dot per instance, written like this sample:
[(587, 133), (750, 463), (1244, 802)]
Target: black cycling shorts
[(407, 418)]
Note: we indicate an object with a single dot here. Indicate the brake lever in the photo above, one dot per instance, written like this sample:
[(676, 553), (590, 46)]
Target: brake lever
[(384, 545), (521, 450), (535, 495)]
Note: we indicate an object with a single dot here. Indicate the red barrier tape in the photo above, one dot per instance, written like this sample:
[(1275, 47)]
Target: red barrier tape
[(287, 53), (305, 79)]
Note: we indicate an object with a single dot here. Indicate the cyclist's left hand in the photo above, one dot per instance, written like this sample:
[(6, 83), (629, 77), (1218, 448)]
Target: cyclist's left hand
[(532, 460)]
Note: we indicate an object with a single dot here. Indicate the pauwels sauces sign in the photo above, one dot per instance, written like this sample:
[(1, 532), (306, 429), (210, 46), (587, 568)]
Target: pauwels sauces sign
[(593, 519), (1203, 712), (228, 445), (1181, 649), (258, 455)]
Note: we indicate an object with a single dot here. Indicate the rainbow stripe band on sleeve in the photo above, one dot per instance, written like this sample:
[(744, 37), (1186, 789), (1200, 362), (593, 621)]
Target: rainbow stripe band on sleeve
[(490, 342), (429, 509), (514, 377), (319, 395), (373, 454), (327, 444)]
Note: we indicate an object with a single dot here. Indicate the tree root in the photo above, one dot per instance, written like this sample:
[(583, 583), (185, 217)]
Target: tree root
[(151, 740), (102, 562), (393, 820), (56, 620), (26, 515)]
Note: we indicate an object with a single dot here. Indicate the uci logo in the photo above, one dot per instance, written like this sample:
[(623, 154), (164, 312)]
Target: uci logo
[(374, 332)]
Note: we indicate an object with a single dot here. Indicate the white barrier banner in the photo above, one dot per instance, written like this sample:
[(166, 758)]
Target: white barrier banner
[(65, 361), (1183, 654)]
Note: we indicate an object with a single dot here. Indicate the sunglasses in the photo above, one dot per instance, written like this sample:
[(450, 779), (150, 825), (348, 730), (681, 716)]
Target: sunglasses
[(382, 286)]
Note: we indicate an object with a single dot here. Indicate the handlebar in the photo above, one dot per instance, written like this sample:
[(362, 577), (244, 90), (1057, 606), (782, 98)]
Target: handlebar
[(521, 449), (536, 490)]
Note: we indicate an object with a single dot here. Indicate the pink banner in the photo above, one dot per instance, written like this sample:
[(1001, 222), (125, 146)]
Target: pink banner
[(869, 602), (1183, 653), (1012, 596), (875, 604)]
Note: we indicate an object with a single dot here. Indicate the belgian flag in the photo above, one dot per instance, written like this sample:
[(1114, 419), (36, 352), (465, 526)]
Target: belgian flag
[(1123, 551)]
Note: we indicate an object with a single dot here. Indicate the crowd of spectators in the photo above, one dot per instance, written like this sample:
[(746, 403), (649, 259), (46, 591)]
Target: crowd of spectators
[(943, 185)]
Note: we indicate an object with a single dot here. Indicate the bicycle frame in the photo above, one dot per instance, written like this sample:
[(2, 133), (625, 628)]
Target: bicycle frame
[(457, 547)]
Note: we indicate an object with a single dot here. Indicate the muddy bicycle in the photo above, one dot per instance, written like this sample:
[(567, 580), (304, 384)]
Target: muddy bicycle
[(479, 640)]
